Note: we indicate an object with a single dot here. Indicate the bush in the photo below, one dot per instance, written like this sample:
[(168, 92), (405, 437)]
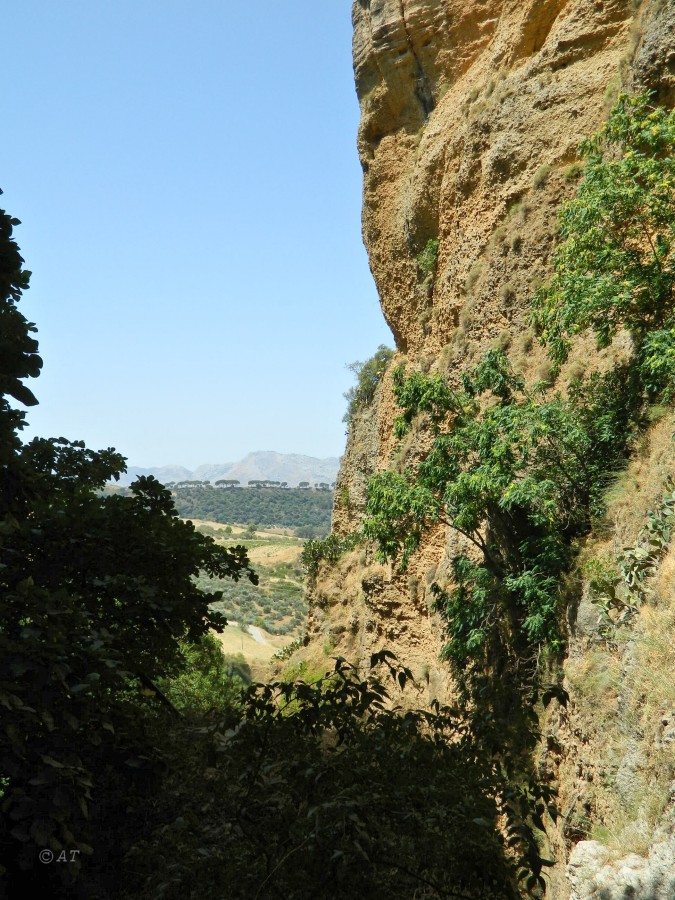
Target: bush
[(323, 791), (368, 375), (615, 267), (208, 681), (427, 260), (330, 549)]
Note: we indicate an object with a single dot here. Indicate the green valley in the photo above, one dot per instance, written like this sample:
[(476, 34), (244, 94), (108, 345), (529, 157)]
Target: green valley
[(307, 510), (276, 604)]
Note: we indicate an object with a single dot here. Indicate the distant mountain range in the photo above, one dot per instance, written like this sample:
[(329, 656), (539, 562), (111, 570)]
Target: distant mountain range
[(263, 464)]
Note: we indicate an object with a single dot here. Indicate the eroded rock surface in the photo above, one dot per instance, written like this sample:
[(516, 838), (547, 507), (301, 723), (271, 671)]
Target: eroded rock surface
[(594, 876)]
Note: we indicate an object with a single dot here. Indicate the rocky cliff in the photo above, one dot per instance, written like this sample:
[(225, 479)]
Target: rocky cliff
[(471, 115)]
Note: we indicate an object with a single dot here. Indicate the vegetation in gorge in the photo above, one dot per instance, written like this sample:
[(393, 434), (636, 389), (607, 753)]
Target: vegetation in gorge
[(322, 790), (208, 681), (519, 476)]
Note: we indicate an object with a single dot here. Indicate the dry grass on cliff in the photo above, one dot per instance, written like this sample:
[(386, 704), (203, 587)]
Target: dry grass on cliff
[(627, 713), (635, 797), (625, 682)]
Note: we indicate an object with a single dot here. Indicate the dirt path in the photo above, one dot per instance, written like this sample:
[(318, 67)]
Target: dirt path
[(255, 648), (258, 636)]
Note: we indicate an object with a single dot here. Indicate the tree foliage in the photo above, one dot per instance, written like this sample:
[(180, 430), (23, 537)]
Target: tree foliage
[(323, 790), (519, 473), (208, 681), (368, 376), (98, 592), (615, 266)]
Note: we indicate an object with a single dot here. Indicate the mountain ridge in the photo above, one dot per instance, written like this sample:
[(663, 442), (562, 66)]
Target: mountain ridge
[(260, 464)]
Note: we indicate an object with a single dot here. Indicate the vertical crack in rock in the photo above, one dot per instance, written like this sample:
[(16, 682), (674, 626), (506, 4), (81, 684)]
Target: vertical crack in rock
[(422, 89)]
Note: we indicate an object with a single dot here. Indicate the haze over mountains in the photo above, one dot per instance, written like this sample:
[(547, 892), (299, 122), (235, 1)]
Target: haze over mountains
[(263, 464)]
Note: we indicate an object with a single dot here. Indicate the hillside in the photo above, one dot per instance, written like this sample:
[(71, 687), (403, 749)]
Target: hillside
[(270, 507), (262, 618)]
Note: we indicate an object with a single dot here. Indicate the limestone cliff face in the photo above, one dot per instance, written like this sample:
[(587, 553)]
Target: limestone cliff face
[(471, 113), (462, 104)]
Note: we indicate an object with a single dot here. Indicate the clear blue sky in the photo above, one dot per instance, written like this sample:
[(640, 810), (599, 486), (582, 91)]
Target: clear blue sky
[(190, 197)]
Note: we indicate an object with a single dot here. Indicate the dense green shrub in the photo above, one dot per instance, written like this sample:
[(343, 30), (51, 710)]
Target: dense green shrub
[(615, 266), (519, 473), (427, 260), (208, 681), (323, 791), (329, 549)]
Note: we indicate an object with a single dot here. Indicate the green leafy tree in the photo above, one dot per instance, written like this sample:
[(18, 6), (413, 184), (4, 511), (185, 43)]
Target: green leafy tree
[(519, 474), (207, 682), (368, 376), (324, 791), (615, 266), (98, 592)]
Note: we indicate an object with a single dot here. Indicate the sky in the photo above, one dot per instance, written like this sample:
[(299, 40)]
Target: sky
[(189, 189)]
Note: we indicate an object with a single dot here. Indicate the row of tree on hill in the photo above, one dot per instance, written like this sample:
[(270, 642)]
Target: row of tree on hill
[(254, 482)]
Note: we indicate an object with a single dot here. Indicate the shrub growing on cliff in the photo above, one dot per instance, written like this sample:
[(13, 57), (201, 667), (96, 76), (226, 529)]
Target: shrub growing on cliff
[(519, 474), (368, 376), (427, 260), (329, 549), (615, 267)]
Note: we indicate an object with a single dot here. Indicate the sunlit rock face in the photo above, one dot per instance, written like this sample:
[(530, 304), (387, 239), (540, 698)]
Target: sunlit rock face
[(471, 115), (462, 104)]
